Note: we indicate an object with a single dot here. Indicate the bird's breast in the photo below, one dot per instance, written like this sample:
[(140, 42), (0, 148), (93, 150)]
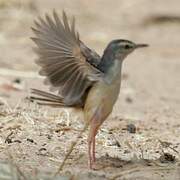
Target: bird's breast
[(102, 96)]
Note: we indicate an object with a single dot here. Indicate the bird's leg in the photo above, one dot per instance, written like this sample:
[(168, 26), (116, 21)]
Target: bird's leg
[(94, 126), (94, 149), (89, 153), (94, 144)]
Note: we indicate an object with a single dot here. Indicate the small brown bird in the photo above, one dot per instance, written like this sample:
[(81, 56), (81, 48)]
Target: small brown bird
[(81, 77)]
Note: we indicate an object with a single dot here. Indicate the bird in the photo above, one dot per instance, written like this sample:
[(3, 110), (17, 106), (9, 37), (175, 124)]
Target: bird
[(78, 76)]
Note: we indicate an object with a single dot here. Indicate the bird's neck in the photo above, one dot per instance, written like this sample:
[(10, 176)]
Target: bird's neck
[(111, 66), (114, 72)]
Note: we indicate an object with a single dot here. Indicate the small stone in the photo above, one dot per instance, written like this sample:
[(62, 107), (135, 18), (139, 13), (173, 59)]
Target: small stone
[(42, 152), (17, 141), (8, 140), (129, 100), (126, 151), (167, 157), (131, 128), (30, 140), (17, 80), (42, 149)]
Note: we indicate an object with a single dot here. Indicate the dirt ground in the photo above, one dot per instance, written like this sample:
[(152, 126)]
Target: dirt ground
[(140, 140)]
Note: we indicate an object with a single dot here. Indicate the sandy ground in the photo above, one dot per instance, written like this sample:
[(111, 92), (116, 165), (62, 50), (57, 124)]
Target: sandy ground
[(35, 139)]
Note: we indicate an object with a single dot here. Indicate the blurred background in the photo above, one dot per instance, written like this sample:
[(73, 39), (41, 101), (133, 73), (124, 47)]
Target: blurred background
[(150, 94), (154, 71)]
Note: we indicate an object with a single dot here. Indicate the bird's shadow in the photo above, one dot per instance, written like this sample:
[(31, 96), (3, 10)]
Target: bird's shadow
[(116, 162), (108, 161)]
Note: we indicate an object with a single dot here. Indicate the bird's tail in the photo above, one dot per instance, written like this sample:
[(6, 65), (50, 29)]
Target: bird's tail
[(45, 98)]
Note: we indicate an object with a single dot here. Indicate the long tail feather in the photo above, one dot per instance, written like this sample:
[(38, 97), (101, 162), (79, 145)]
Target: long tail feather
[(45, 98)]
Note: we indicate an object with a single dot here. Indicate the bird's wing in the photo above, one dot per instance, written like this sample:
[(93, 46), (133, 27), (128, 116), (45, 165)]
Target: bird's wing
[(91, 56), (69, 65)]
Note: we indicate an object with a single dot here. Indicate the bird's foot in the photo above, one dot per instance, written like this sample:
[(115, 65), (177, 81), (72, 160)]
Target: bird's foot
[(93, 166)]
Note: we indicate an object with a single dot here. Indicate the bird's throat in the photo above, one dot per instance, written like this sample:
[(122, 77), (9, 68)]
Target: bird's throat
[(114, 72), (111, 66)]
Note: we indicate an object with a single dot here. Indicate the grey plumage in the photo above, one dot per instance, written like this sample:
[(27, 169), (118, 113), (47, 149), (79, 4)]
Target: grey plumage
[(68, 64), (70, 67), (81, 77)]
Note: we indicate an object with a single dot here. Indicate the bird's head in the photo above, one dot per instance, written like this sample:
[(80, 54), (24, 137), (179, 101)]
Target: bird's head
[(120, 48), (115, 53)]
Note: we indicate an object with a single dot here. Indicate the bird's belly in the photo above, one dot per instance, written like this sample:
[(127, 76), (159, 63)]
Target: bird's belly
[(101, 98)]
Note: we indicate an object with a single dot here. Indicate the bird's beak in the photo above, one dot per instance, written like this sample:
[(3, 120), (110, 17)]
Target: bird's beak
[(141, 45)]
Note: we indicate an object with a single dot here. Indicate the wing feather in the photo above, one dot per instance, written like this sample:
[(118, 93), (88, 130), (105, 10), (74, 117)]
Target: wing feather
[(65, 61)]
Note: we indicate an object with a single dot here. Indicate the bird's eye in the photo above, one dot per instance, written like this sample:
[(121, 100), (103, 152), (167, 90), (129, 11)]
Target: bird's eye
[(127, 46)]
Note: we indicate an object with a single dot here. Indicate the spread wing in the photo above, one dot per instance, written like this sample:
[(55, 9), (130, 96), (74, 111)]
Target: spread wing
[(68, 64)]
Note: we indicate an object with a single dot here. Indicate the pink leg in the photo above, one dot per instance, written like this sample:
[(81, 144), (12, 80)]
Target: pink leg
[(94, 150), (94, 144), (89, 154), (94, 126)]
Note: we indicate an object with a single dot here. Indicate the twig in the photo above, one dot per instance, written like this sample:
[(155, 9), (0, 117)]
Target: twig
[(73, 144), (67, 128), (137, 169), (8, 140), (117, 141), (17, 168), (6, 104), (15, 165), (167, 145)]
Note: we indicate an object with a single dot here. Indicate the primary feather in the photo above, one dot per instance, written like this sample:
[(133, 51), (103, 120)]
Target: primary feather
[(69, 65)]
